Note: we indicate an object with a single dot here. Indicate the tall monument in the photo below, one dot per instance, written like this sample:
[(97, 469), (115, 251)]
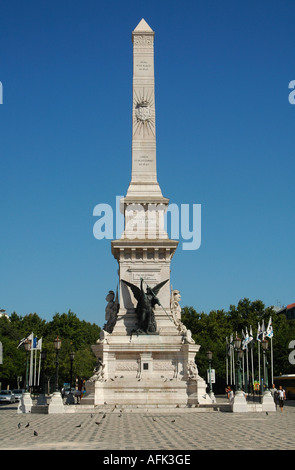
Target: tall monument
[(145, 354)]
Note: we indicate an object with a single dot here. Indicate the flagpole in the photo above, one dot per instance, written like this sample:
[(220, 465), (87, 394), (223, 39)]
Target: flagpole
[(35, 367), (271, 362), (233, 362), (226, 362), (39, 345), (259, 375), (31, 367), (252, 367)]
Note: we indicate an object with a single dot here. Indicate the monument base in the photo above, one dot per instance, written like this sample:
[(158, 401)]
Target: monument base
[(239, 403), (146, 370), (268, 403), (25, 404), (56, 404)]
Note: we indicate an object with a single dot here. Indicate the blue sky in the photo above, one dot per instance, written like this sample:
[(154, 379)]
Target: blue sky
[(225, 140)]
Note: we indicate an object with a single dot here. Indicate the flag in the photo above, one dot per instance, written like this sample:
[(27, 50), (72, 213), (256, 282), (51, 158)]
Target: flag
[(259, 333), (251, 335), (37, 344), (269, 329), (263, 330), (230, 346), (244, 342), (30, 337)]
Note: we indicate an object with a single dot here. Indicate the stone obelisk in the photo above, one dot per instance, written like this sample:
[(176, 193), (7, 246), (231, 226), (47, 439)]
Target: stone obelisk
[(144, 185), (144, 250), (145, 354)]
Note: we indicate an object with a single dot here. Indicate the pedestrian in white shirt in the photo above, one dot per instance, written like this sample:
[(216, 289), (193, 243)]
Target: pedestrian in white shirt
[(281, 397)]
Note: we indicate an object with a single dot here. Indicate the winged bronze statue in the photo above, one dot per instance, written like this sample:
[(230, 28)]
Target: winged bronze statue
[(146, 302)]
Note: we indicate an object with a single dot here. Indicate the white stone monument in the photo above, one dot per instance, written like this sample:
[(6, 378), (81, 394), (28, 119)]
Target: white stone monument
[(146, 356)]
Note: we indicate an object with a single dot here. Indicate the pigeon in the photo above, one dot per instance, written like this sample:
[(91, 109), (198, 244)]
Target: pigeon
[(104, 416), (19, 425), (78, 426), (266, 413), (97, 422), (27, 425), (173, 421), (35, 433), (154, 419)]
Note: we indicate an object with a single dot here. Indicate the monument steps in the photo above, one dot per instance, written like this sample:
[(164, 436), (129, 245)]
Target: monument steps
[(39, 409), (150, 409)]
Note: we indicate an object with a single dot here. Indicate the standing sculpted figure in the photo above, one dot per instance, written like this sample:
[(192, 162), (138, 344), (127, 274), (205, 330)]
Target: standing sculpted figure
[(176, 311), (111, 311), (98, 372)]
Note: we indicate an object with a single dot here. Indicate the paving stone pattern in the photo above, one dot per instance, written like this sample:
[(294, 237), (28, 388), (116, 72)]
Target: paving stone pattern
[(148, 431)]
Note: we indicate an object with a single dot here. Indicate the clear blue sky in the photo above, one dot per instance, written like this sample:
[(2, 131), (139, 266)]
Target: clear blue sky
[(225, 140)]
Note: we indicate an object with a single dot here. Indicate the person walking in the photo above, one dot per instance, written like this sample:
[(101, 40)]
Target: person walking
[(274, 393), (281, 397)]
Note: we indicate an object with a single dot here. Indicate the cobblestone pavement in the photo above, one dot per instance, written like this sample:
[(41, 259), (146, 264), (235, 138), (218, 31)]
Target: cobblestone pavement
[(215, 430)]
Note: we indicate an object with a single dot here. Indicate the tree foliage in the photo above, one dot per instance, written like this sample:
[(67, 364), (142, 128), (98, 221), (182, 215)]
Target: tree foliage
[(211, 330), (76, 335)]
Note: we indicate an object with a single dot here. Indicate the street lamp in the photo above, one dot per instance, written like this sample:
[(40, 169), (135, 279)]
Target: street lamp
[(43, 357), (27, 345), (72, 357), (57, 345), (209, 356), (42, 398), (70, 397), (264, 343), (237, 345)]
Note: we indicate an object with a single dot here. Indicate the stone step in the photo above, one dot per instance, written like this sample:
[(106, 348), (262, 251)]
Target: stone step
[(39, 409)]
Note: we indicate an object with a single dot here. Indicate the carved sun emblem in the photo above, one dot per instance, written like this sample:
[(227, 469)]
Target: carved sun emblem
[(144, 113)]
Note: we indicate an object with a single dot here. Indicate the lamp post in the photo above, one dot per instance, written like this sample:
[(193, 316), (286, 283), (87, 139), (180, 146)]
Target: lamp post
[(72, 357), (268, 403), (56, 404), (27, 345), (209, 356), (239, 404), (264, 343), (57, 345), (43, 357), (237, 345), (42, 398), (70, 397)]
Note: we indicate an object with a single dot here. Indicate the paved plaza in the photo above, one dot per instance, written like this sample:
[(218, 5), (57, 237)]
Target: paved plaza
[(148, 430)]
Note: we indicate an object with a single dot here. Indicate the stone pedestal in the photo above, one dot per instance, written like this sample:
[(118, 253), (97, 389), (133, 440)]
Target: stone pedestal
[(240, 403), (42, 400), (268, 403), (156, 369), (25, 404), (56, 404)]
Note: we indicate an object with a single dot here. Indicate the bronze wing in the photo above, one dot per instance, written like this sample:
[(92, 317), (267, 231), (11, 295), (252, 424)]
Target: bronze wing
[(136, 290), (158, 287)]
